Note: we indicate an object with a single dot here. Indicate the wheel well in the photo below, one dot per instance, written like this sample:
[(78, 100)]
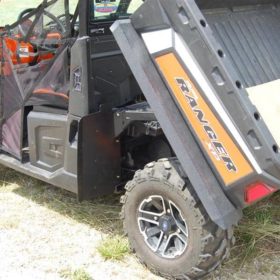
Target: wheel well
[(140, 147)]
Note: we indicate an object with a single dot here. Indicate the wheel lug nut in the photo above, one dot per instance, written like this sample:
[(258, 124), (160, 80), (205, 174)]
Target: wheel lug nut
[(155, 218), (165, 237), (178, 230), (168, 211)]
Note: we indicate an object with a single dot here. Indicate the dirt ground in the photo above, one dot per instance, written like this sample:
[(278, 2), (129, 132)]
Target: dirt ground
[(45, 232), (40, 237)]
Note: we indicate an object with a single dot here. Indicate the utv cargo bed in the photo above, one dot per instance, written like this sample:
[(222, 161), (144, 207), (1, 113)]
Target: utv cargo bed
[(250, 36), (219, 62)]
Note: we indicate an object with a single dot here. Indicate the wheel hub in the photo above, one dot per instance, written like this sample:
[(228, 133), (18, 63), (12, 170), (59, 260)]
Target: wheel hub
[(167, 224), (163, 227)]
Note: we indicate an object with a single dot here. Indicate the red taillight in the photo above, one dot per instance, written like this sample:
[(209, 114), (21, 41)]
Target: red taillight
[(257, 191)]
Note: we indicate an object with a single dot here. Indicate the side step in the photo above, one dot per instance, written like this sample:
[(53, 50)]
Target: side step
[(60, 178)]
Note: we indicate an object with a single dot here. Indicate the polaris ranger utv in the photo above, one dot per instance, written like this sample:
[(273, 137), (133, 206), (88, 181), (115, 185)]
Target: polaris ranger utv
[(178, 97)]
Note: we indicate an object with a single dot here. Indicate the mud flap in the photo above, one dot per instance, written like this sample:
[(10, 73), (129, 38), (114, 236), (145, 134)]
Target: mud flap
[(99, 157)]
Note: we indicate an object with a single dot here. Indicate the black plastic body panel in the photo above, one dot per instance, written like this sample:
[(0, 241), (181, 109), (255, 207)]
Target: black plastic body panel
[(81, 84), (46, 133), (125, 116), (114, 84)]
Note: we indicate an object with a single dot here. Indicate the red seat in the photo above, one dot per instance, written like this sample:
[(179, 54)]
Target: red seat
[(50, 91), (50, 97)]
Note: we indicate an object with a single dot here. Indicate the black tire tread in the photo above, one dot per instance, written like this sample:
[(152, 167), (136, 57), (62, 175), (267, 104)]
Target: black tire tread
[(216, 242)]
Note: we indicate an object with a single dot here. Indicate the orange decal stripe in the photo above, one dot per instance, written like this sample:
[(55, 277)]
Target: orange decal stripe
[(223, 152)]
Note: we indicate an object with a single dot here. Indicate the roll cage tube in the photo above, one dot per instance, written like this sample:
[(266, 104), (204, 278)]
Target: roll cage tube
[(51, 16), (25, 12), (84, 16)]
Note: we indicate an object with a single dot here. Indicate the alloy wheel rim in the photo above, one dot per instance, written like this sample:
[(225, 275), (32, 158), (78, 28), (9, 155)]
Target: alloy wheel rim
[(163, 227)]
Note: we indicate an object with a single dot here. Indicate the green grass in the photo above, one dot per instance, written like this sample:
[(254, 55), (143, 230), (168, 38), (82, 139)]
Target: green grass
[(114, 248), (258, 234), (77, 274)]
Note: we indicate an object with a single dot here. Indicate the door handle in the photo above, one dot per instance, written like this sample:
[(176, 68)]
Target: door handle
[(98, 31)]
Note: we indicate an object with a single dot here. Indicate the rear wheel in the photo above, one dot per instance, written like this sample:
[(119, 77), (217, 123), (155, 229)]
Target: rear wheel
[(167, 226)]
